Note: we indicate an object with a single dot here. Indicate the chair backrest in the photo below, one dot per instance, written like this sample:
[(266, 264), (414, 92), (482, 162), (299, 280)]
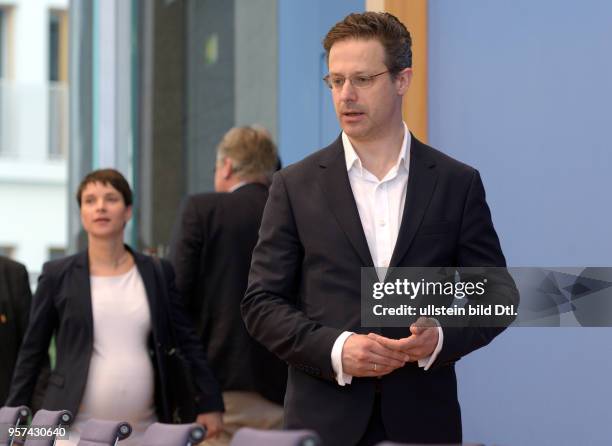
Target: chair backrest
[(104, 432), (160, 434), (256, 437), (390, 443), (11, 416), (48, 420)]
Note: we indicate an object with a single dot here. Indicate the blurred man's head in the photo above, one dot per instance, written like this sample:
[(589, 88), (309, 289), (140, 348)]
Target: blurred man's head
[(369, 58), (245, 154)]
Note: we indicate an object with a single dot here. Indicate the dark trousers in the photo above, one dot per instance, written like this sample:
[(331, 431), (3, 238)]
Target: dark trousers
[(375, 432)]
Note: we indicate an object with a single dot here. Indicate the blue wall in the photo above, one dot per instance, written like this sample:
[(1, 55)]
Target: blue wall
[(306, 117), (522, 90)]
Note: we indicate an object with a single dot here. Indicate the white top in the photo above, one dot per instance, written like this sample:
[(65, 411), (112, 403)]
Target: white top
[(381, 205), (120, 383)]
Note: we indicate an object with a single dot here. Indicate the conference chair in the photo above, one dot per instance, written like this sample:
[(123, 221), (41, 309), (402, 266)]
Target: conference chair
[(390, 443), (104, 432), (12, 417), (160, 434), (53, 420), (255, 437)]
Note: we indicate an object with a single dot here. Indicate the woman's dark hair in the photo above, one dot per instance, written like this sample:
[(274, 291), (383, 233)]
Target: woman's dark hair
[(106, 177)]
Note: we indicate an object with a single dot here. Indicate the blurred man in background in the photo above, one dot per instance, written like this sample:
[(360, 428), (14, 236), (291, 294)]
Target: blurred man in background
[(211, 253)]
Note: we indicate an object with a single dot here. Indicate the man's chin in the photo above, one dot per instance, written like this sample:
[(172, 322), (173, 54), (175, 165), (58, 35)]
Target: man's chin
[(355, 133)]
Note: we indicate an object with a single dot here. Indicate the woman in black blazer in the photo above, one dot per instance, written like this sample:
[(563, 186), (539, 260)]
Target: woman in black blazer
[(114, 323)]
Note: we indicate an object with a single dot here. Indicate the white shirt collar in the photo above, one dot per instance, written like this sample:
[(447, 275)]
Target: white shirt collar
[(352, 158), (237, 186)]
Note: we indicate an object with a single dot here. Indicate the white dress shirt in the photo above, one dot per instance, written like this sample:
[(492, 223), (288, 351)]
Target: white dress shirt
[(380, 204), (237, 186)]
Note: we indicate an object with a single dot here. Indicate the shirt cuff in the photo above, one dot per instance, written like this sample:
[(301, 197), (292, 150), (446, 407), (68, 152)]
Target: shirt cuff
[(429, 360), (336, 359)]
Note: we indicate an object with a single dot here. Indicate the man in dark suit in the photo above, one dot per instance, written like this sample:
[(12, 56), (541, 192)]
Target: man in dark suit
[(15, 299), (375, 197), (211, 253)]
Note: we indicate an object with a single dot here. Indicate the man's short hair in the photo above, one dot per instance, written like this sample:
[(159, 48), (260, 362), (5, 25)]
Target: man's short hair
[(384, 27), (106, 177), (251, 149)]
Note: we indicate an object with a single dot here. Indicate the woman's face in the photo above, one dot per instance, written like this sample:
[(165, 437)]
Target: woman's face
[(103, 211)]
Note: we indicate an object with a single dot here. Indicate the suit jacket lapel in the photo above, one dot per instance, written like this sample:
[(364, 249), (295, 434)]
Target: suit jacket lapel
[(4, 278), (421, 184), (337, 190)]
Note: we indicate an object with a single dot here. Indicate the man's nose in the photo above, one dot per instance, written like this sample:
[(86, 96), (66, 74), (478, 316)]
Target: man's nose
[(347, 91)]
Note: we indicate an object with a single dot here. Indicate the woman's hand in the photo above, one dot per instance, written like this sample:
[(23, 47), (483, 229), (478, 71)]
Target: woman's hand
[(212, 421)]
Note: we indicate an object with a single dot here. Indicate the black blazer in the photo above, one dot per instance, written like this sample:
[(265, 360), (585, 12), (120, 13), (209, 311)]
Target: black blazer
[(304, 291), (62, 306), (15, 297), (211, 254)]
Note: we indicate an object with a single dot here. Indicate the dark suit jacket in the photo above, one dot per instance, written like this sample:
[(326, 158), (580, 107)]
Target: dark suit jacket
[(211, 253), (62, 306), (15, 297), (304, 291)]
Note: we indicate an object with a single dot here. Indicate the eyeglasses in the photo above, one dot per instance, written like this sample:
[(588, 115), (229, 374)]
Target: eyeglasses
[(361, 81)]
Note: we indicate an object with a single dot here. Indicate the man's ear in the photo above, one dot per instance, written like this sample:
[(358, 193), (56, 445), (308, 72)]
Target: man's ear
[(226, 168), (403, 80)]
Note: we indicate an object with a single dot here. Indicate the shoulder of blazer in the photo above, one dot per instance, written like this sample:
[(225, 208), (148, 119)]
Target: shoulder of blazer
[(321, 158), (423, 153), (200, 206), (59, 267), (11, 266), (428, 155), (205, 199), (248, 190), (248, 196), (147, 261), (302, 171), (54, 271)]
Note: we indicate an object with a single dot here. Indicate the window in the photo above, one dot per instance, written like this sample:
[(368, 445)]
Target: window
[(7, 111), (2, 42), (6, 41), (58, 46), (58, 88), (54, 46), (3, 138), (56, 253)]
